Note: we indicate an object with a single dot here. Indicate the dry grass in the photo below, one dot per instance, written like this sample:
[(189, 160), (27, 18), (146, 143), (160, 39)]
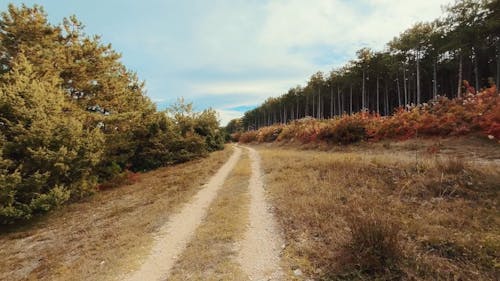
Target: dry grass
[(106, 234), (472, 148), (373, 214), (211, 254), (374, 246)]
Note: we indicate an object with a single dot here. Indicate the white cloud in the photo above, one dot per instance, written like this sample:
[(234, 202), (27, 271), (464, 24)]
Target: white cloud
[(271, 45), (227, 115), (288, 24), (261, 88), (240, 52), (342, 23)]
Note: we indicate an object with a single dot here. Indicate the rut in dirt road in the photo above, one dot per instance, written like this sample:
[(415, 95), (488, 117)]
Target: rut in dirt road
[(173, 237), (260, 251)]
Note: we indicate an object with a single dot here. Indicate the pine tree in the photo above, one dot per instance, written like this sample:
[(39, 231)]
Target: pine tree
[(45, 143)]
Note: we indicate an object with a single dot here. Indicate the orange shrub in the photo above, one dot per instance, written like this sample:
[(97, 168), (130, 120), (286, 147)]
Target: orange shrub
[(269, 134), (248, 137), (288, 132), (307, 129), (303, 130), (346, 130), (235, 137), (440, 117), (488, 120)]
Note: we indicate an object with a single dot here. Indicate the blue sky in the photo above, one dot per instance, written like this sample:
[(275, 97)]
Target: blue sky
[(232, 54)]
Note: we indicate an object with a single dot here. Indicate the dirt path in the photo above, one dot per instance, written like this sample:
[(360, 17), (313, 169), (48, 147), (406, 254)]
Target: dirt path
[(174, 236), (259, 252)]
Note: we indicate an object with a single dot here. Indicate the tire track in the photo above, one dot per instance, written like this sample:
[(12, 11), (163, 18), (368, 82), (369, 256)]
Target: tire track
[(173, 237), (260, 251)]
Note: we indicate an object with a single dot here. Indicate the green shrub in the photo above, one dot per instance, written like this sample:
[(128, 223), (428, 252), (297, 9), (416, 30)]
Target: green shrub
[(206, 125), (73, 116), (47, 155), (176, 136), (55, 197)]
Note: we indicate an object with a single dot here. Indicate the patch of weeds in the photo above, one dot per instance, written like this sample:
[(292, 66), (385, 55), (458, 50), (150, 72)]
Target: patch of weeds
[(374, 248)]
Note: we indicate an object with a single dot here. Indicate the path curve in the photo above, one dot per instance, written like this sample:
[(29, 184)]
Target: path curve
[(260, 250), (174, 236)]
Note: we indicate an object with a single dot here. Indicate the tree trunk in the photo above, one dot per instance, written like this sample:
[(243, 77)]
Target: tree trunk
[(378, 96), (410, 89), (306, 111), (399, 91), (476, 69), (434, 84), (331, 103), (350, 111), (498, 65), (342, 102), (367, 99), (386, 98), (363, 92), (418, 77), (405, 87), (297, 113), (314, 106), (319, 104), (452, 88), (339, 101), (460, 73), (410, 99)]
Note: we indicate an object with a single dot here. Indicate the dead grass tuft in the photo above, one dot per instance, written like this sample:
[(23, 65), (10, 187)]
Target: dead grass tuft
[(374, 247), (127, 177), (451, 165)]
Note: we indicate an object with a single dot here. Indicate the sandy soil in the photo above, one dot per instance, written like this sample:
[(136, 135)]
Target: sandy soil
[(173, 237), (259, 252)]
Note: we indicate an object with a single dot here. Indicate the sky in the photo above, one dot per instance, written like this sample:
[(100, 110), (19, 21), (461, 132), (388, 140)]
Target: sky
[(231, 55)]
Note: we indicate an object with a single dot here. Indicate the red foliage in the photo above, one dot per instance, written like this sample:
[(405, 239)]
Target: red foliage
[(442, 117), (235, 137), (269, 134), (348, 129), (248, 137)]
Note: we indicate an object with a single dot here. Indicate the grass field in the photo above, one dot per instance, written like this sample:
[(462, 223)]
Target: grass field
[(415, 210)]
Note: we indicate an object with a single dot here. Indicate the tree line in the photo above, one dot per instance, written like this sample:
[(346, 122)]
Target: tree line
[(73, 116), (428, 60)]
